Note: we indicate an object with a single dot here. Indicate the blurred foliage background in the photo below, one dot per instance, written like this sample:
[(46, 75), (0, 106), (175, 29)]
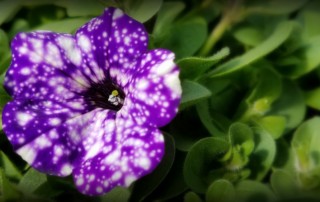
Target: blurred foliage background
[(248, 127)]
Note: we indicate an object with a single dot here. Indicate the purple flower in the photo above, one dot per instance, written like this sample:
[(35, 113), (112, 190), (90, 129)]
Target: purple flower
[(90, 105)]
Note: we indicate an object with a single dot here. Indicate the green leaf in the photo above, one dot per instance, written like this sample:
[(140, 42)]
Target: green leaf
[(221, 191), (263, 155), (309, 16), (312, 98), (166, 15), (284, 184), (242, 135), (64, 26), (194, 67), (275, 7), (8, 9), (268, 86), (118, 194), (310, 51), (185, 37), (266, 90), (7, 191), (280, 34), (146, 185), (4, 97), (213, 123), (82, 8), (9, 168), (31, 181), (304, 59), (292, 109), (4, 41), (248, 36), (142, 10), (191, 197), (5, 53), (241, 138), (250, 191), (285, 158), (196, 167), (192, 93), (305, 144), (275, 125), (19, 25)]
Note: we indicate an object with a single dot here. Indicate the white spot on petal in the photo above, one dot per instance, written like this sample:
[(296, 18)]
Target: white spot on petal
[(112, 157), (54, 121), (23, 118), (144, 163), (28, 153), (25, 71), (173, 82), (84, 43), (129, 179), (117, 14), (79, 181), (116, 176), (165, 67), (95, 149), (142, 84), (66, 169), (99, 189)]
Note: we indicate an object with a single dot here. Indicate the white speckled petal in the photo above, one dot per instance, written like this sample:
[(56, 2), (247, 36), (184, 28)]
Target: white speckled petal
[(24, 120), (46, 65), (49, 152), (154, 92), (112, 42), (91, 133), (135, 152)]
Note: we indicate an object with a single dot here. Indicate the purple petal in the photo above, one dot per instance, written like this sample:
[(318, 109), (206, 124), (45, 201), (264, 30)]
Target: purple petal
[(36, 131), (49, 153), (24, 119), (135, 152), (51, 140), (112, 42), (46, 65), (154, 91), (91, 133)]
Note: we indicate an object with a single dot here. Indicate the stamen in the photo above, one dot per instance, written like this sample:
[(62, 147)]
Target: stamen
[(105, 94)]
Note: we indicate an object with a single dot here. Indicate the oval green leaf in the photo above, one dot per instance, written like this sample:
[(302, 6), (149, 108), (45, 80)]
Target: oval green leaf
[(142, 10), (221, 191), (31, 181), (192, 92), (202, 158), (263, 155), (283, 184), (249, 190)]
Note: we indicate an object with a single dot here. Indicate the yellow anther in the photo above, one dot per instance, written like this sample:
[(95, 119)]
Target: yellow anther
[(115, 93)]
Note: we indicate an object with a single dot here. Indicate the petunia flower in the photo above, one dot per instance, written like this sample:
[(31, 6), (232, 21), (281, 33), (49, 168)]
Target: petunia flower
[(90, 104)]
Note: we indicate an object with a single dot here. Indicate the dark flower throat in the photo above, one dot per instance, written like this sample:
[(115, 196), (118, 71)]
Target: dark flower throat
[(106, 95)]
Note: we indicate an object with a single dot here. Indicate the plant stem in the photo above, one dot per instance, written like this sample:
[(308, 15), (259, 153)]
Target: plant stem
[(229, 16)]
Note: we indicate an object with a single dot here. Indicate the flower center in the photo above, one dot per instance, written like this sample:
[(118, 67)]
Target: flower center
[(105, 94)]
